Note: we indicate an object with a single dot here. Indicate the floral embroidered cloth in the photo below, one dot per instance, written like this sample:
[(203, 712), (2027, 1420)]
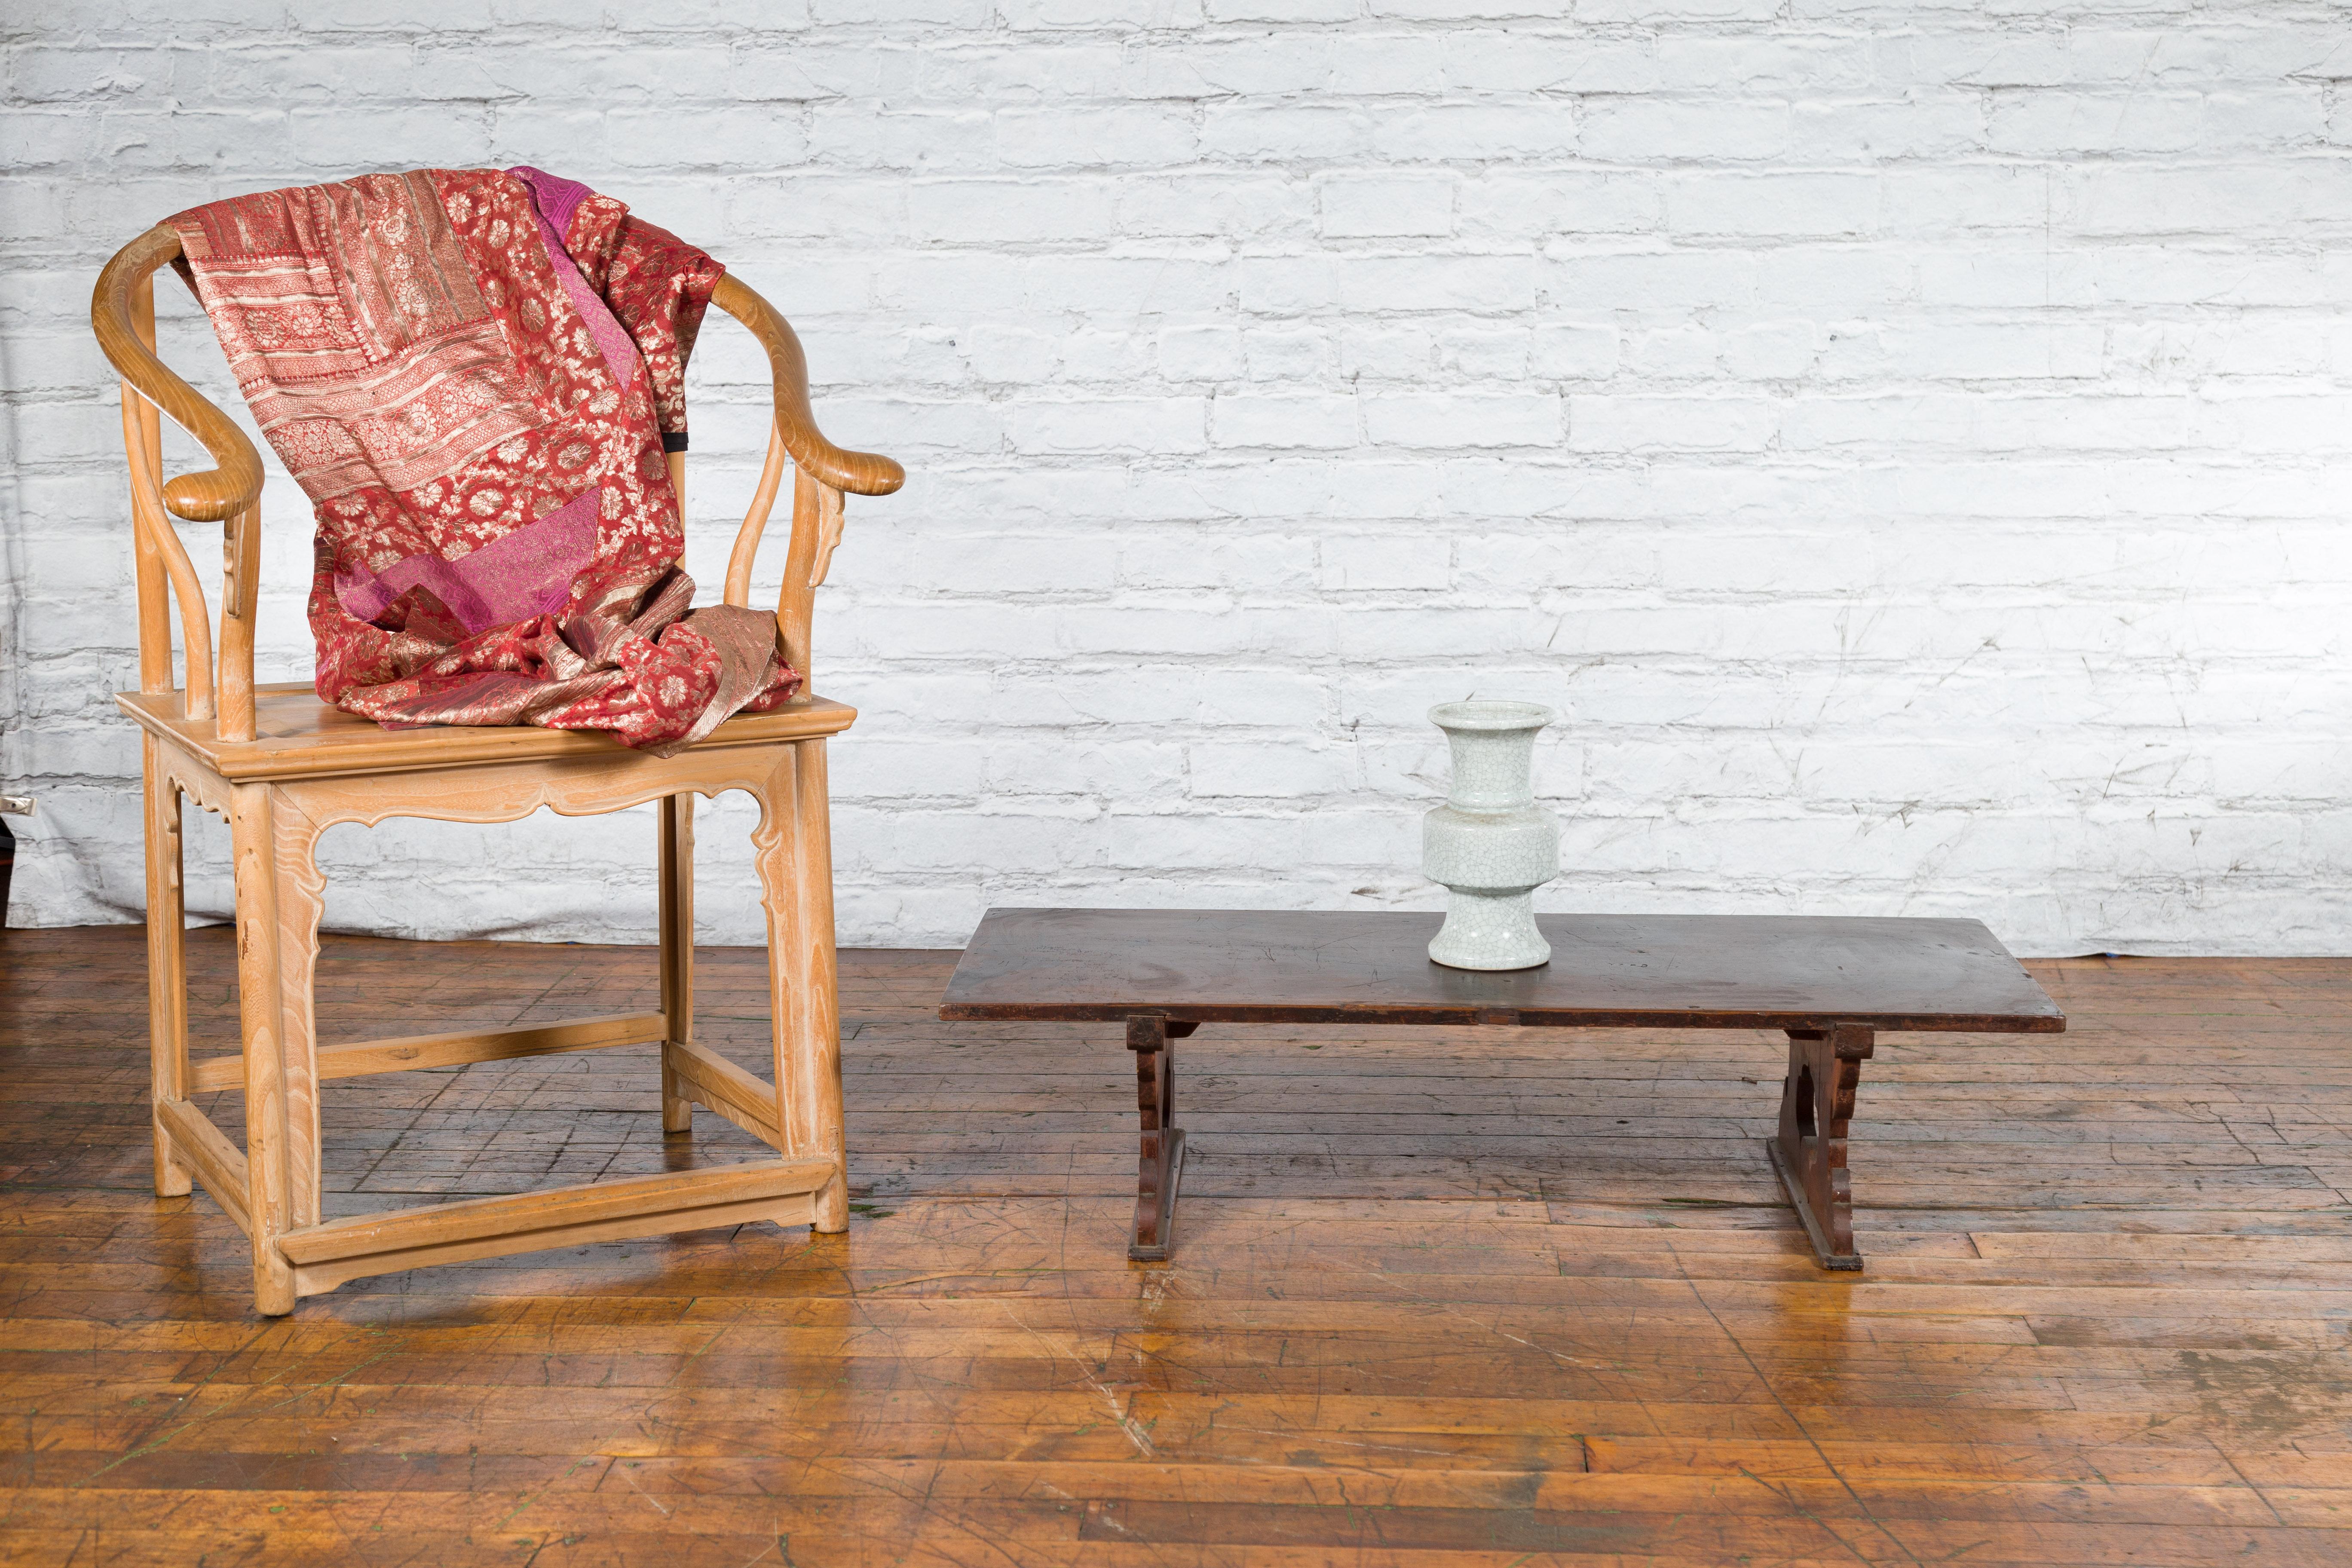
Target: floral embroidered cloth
[(474, 374)]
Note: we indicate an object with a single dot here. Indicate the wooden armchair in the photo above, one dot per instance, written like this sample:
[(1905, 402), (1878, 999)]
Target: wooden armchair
[(283, 767)]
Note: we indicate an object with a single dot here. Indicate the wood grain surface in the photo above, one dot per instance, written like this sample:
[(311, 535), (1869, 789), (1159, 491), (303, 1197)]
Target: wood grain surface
[(1271, 967), (298, 736), (1480, 1295)]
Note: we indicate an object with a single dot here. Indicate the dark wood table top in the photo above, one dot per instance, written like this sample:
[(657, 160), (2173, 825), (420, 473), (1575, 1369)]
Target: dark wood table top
[(1722, 971)]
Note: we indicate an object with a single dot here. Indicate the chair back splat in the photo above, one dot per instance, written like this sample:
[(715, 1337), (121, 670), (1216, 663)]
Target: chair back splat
[(282, 767)]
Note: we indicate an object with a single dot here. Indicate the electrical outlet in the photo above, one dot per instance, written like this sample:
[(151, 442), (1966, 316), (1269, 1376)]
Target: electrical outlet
[(16, 804)]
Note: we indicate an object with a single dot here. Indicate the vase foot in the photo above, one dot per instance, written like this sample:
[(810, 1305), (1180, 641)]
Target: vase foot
[(1490, 931)]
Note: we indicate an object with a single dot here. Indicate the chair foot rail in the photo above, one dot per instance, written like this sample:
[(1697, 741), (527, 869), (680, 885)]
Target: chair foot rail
[(205, 1149), (362, 1057), (783, 1192), (714, 1081)]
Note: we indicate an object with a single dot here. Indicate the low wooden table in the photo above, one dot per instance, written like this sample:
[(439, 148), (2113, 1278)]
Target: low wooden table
[(1832, 984)]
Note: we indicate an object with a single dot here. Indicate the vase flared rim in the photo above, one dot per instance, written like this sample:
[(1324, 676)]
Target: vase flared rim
[(1490, 714)]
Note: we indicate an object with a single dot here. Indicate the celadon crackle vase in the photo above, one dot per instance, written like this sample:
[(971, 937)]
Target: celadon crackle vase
[(1490, 844)]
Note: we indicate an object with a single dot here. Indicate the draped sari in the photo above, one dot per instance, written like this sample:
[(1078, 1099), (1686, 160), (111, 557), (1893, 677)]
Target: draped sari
[(475, 376)]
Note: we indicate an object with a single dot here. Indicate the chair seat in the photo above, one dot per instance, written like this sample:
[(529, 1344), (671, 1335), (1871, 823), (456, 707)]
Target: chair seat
[(299, 737)]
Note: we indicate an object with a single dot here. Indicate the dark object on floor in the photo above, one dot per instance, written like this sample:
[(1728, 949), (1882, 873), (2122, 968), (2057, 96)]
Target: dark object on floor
[(7, 866), (1832, 984)]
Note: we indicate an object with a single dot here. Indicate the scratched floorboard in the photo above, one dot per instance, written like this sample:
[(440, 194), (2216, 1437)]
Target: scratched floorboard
[(1481, 1297)]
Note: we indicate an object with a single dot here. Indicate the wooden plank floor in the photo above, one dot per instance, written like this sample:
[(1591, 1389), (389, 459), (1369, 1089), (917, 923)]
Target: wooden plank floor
[(1497, 1297)]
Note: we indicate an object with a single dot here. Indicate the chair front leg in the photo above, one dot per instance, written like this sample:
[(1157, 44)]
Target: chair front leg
[(252, 840), (794, 847), (278, 908), (167, 966), (820, 1061), (301, 899)]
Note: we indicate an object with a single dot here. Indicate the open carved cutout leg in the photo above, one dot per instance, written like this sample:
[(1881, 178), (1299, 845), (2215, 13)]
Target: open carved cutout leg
[(1809, 1150), (1160, 1162)]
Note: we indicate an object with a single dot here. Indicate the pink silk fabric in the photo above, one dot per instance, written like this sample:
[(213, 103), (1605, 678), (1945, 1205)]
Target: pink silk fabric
[(475, 376)]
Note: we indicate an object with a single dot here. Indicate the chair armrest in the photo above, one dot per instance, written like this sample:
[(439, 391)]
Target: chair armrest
[(216, 494), (859, 473)]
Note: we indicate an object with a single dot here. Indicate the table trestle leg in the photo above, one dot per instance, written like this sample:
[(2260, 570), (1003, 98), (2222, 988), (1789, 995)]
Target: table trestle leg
[(1809, 1150), (1159, 1163)]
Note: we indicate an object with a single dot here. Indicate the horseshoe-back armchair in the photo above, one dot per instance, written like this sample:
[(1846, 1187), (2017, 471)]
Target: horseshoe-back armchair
[(282, 767)]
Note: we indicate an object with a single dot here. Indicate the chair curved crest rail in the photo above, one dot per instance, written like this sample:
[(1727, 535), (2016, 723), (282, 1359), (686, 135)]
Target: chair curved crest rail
[(282, 767)]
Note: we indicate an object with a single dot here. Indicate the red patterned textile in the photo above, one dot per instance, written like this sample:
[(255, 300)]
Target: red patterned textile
[(474, 374)]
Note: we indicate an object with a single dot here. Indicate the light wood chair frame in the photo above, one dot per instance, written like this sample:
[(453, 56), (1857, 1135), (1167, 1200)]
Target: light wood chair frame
[(282, 768)]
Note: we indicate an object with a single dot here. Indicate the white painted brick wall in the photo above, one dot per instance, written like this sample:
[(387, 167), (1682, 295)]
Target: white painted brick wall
[(1910, 444)]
